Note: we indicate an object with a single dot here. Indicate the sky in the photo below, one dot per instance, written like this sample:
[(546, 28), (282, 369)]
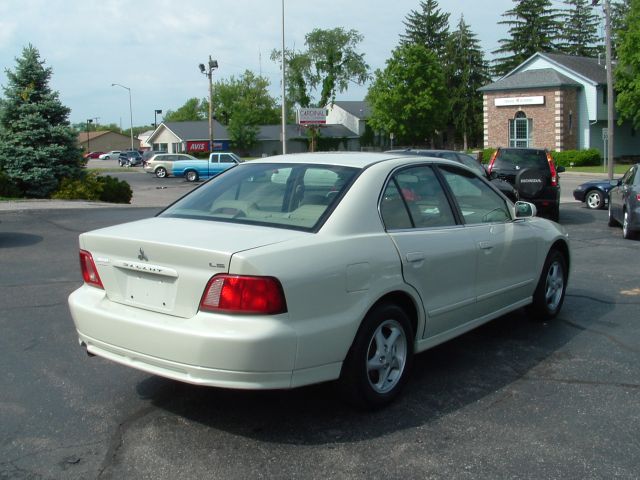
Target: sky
[(154, 47)]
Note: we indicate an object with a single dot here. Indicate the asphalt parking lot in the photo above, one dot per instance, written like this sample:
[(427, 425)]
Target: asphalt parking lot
[(513, 399)]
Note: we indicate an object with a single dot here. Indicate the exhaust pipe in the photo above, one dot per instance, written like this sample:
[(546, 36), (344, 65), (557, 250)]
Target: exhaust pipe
[(89, 354)]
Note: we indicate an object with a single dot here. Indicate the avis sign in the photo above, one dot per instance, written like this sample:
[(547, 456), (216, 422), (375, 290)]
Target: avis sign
[(198, 146), (312, 116)]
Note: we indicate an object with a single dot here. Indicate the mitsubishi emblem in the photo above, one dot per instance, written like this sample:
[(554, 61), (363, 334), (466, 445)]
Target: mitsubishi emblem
[(142, 256)]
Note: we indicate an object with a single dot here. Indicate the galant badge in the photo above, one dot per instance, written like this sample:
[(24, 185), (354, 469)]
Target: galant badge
[(142, 256)]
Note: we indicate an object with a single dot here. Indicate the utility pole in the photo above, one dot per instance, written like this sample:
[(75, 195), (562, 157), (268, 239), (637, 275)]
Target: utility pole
[(610, 100), (89, 121)]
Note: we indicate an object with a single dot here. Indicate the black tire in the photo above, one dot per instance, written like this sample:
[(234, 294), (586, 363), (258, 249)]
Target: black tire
[(530, 182), (552, 286), (594, 200), (191, 176), (368, 384), (555, 214), (161, 172), (612, 221), (627, 233)]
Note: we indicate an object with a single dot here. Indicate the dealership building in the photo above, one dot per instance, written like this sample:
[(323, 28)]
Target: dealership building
[(553, 101)]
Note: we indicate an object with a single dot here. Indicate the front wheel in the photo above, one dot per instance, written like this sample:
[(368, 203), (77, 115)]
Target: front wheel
[(627, 233), (191, 176), (380, 357), (594, 200), (552, 285)]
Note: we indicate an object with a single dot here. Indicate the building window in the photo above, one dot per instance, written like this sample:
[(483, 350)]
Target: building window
[(177, 147), (570, 122), (160, 147), (520, 131)]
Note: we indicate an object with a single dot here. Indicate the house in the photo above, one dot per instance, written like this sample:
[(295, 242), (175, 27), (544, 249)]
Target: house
[(553, 101), (351, 114), (192, 137), (105, 141)]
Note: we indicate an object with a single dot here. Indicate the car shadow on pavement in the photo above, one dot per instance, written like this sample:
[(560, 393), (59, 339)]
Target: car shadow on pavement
[(477, 367), (577, 215), (16, 239)]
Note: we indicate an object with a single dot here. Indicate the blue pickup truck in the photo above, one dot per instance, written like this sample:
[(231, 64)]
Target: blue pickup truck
[(201, 169)]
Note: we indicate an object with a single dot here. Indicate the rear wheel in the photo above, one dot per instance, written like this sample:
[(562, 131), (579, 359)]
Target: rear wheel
[(161, 172), (552, 285), (379, 360), (191, 175), (594, 200)]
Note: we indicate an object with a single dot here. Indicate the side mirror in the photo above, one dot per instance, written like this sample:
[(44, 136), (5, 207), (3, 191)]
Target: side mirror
[(560, 169), (525, 209)]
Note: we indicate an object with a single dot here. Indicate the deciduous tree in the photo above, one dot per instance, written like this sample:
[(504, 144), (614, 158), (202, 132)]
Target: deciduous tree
[(409, 97), (627, 71), (192, 110)]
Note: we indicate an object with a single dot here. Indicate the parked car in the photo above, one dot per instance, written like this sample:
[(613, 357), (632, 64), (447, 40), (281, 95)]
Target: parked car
[(253, 282), (147, 154), (594, 193), (92, 155), (129, 158), (533, 173), (162, 164), (112, 155), (624, 203), (201, 168), (505, 187)]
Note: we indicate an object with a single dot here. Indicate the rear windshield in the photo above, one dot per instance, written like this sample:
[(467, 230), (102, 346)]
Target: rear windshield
[(296, 196), (522, 158)]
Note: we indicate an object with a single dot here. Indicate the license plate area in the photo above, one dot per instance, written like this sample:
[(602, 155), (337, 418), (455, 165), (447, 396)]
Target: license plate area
[(149, 290)]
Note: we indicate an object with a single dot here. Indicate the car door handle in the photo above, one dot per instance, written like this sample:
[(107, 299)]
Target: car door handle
[(485, 245), (414, 257)]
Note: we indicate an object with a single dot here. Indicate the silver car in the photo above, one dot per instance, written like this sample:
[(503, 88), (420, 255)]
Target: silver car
[(624, 203), (161, 164)]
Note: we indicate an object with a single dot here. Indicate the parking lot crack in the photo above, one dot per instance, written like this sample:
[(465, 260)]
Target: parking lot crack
[(609, 337), (117, 439)]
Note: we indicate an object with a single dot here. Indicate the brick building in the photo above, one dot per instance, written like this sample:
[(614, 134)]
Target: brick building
[(553, 101)]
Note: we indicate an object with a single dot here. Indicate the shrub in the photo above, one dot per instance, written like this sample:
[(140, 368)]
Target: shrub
[(486, 154), (114, 190), (579, 158), (96, 188), (7, 188)]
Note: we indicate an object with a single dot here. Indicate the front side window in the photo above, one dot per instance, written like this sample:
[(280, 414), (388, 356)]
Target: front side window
[(296, 196), (477, 201), (414, 198)]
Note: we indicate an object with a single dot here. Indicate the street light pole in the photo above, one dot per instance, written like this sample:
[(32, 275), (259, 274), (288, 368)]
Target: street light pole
[(610, 100), (155, 118), (208, 71), (284, 101), (130, 109), (89, 120)]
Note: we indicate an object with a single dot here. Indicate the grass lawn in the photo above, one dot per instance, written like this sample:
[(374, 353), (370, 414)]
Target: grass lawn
[(618, 169)]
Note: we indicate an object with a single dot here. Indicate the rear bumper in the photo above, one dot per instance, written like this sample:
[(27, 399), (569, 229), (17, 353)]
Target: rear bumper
[(246, 352)]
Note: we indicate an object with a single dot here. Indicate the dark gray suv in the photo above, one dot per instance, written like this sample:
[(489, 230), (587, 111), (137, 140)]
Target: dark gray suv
[(534, 175), (129, 158)]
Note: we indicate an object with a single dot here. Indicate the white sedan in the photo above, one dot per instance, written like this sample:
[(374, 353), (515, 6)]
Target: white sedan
[(300, 269)]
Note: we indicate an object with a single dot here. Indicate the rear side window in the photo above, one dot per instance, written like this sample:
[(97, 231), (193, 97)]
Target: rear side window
[(298, 196)]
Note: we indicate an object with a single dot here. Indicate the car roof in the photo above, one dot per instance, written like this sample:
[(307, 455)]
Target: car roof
[(347, 159)]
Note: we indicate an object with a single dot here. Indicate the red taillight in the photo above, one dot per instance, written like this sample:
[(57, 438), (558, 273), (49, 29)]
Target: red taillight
[(243, 294), (492, 161), (89, 270), (552, 167)]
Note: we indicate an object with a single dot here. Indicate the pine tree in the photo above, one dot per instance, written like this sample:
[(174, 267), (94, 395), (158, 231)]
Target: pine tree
[(533, 28), (619, 19), (579, 32), (38, 147), (428, 27), (467, 71)]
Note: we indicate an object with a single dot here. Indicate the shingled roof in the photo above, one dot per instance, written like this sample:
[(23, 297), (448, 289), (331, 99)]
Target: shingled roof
[(543, 78)]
